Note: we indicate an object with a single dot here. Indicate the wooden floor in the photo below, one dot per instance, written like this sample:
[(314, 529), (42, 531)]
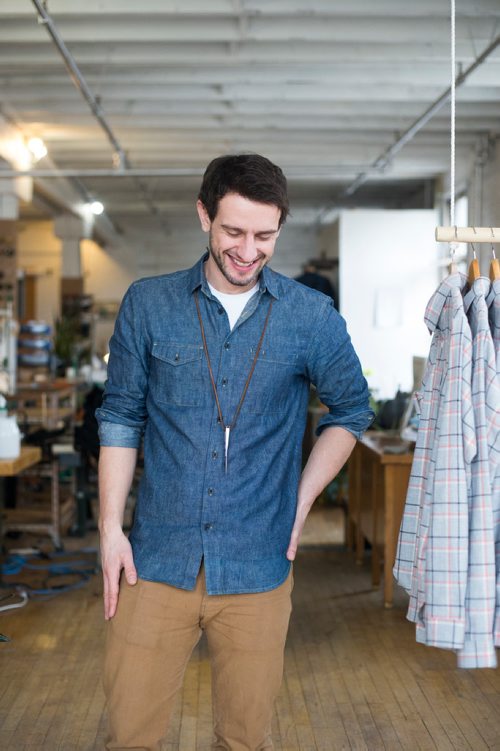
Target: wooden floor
[(354, 677)]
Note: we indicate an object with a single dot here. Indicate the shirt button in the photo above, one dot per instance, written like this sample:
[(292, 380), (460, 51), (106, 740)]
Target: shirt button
[(220, 311), (226, 345), (208, 527), (215, 454), (224, 381), (210, 491)]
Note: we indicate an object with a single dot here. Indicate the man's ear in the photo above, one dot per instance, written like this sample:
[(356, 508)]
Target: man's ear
[(204, 218)]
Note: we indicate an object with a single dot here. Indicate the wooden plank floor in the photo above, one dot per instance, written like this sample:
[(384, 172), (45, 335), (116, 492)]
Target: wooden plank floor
[(354, 677)]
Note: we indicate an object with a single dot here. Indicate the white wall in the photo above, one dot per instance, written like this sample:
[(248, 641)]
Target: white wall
[(388, 271)]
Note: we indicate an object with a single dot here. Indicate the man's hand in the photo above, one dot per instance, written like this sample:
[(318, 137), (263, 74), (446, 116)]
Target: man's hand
[(116, 471), (116, 554)]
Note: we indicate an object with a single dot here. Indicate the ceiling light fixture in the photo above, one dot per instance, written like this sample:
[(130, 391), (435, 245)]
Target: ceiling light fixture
[(96, 207), (37, 149)]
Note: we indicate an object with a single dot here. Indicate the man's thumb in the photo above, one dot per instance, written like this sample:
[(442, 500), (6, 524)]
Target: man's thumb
[(130, 573)]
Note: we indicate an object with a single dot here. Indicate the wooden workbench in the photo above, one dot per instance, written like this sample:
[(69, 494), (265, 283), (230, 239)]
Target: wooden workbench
[(48, 403), (378, 483), (49, 518), (29, 456)]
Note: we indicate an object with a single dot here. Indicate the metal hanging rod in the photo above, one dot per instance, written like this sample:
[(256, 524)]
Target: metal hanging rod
[(468, 234), (80, 82), (454, 234), (120, 159), (295, 172), (382, 161)]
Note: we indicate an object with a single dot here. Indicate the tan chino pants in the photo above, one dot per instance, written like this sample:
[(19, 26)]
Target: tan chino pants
[(150, 640)]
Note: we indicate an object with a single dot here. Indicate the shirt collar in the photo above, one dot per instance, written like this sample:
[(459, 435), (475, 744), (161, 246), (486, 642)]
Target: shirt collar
[(444, 292), (479, 290), (494, 291), (268, 280)]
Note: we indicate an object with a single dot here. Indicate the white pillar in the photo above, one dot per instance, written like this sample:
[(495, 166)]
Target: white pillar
[(8, 292), (70, 230), (9, 202)]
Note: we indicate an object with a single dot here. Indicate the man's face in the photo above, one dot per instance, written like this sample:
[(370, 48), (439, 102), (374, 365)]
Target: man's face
[(241, 241)]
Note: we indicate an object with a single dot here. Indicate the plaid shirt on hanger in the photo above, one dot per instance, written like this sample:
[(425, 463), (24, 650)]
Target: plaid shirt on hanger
[(432, 556), (479, 649), (493, 302)]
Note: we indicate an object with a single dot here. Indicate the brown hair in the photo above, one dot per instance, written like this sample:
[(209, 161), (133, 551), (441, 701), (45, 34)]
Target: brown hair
[(251, 176)]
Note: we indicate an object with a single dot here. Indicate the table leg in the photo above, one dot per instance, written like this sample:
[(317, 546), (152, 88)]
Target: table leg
[(375, 514), (389, 540)]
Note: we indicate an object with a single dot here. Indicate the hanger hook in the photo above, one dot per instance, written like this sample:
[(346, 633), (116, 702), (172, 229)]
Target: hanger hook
[(453, 246), (472, 245)]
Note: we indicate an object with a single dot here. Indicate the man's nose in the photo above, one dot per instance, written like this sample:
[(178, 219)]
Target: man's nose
[(248, 248)]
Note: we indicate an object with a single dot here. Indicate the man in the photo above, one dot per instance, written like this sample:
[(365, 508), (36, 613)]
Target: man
[(312, 278), (213, 366)]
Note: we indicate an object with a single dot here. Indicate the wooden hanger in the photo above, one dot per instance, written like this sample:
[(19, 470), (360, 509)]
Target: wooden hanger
[(494, 267), (474, 270)]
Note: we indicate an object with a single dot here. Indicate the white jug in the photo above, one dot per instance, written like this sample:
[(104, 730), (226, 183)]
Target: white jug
[(10, 436)]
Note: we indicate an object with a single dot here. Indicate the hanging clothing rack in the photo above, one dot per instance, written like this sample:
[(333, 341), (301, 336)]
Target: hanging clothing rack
[(454, 234), (468, 234)]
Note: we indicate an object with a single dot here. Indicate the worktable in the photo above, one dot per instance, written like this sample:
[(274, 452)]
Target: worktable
[(29, 456), (378, 483), (46, 404), (45, 518)]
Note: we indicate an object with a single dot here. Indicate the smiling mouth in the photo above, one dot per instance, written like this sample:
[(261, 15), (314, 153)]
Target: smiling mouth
[(242, 264)]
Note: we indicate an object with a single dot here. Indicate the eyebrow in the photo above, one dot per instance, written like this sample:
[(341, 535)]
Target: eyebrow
[(259, 232)]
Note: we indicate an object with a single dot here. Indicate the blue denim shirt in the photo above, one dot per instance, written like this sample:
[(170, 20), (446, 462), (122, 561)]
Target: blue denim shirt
[(158, 385)]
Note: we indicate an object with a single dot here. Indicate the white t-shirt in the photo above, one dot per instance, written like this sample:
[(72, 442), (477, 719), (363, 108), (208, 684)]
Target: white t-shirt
[(233, 304)]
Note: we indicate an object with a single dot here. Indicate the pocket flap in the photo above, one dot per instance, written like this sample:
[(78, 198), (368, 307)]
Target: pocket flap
[(176, 354)]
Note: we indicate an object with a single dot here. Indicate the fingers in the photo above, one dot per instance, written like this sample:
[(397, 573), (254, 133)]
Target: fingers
[(116, 554), (130, 572), (293, 545), (111, 587)]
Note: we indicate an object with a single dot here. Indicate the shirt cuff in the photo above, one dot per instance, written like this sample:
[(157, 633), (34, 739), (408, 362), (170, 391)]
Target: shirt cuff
[(114, 434), (355, 424)]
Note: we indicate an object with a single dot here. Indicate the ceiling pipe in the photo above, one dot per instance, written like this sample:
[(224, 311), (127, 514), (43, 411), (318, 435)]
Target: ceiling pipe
[(383, 160), (80, 83), (120, 159), (291, 172)]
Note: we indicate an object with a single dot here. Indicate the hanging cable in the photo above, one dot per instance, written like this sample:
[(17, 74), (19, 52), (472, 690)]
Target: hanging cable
[(452, 116), (453, 245)]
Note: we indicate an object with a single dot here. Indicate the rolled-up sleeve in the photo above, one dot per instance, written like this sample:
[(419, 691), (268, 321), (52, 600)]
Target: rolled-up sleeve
[(335, 371), (123, 414)]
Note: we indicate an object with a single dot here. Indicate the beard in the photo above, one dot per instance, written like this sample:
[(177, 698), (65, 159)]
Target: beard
[(238, 279)]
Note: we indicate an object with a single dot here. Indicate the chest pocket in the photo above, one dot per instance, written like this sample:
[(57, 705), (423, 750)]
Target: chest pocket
[(176, 375), (273, 382)]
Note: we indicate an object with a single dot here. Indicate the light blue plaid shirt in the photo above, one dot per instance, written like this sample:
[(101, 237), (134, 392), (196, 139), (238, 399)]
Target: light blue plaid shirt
[(493, 301), (479, 648), (432, 555), (449, 545)]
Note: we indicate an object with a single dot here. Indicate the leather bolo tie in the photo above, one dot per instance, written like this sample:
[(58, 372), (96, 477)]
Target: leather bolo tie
[(227, 427)]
